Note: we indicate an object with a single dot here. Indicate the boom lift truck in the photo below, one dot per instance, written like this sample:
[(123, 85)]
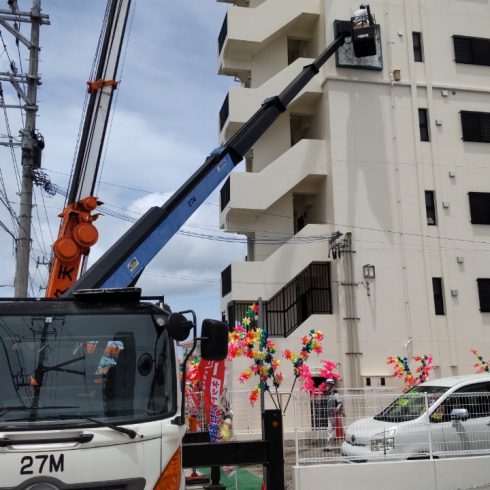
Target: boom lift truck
[(89, 395)]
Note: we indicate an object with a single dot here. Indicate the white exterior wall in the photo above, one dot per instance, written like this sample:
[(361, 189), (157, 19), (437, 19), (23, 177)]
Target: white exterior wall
[(438, 474), (375, 171)]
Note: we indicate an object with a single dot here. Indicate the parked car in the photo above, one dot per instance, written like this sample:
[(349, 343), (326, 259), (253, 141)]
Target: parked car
[(443, 417)]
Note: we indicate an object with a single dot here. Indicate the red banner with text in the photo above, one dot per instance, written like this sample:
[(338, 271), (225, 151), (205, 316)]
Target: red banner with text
[(212, 379)]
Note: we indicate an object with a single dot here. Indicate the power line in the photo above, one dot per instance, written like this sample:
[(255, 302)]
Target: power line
[(47, 218), (106, 209), (5, 228)]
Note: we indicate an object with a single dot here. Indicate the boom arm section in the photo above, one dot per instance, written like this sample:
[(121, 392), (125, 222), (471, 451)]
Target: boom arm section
[(77, 232), (124, 262)]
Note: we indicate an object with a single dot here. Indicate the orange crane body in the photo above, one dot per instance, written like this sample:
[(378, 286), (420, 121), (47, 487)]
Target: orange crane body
[(77, 234)]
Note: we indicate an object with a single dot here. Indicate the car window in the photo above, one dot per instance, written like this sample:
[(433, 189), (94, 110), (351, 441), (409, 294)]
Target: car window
[(474, 398), (411, 405)]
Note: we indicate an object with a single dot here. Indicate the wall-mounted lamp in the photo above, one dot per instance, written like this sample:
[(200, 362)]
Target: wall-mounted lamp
[(368, 271)]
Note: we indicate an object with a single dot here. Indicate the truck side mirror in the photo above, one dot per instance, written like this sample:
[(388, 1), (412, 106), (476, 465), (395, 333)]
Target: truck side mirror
[(179, 327), (214, 340), (459, 414)]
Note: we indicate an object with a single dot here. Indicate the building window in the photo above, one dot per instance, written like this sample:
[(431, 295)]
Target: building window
[(418, 54), (479, 208), (226, 281), (430, 208), (297, 48), (471, 50), (476, 126), (438, 296), (484, 294), (424, 125), (368, 381), (224, 112), (382, 382), (224, 194)]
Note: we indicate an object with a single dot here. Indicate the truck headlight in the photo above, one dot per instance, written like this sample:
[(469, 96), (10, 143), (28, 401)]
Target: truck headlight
[(383, 441)]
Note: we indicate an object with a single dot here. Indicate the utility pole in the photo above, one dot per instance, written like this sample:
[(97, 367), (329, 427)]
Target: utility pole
[(31, 144)]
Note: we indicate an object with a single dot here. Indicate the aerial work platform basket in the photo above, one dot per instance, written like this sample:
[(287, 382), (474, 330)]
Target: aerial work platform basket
[(363, 32)]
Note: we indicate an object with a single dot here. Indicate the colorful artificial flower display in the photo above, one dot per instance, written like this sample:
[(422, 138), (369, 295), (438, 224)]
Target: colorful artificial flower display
[(256, 345), (327, 372), (481, 366), (402, 369), (192, 372), (309, 343)]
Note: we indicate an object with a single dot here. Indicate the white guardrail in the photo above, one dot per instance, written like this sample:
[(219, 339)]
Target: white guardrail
[(371, 425)]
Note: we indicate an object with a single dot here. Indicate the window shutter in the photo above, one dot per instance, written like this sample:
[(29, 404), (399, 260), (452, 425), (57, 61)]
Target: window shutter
[(484, 294), (485, 127), (481, 51), (476, 126), (471, 126), (462, 50), (472, 50), (480, 208)]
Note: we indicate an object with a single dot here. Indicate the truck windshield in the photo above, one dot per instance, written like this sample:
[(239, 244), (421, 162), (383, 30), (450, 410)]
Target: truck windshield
[(118, 368), (411, 405)]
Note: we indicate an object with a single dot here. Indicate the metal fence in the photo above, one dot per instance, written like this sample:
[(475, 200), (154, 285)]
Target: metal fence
[(298, 415), (370, 427)]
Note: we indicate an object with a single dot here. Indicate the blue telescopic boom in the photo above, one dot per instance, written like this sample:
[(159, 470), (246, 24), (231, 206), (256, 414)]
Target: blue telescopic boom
[(124, 262)]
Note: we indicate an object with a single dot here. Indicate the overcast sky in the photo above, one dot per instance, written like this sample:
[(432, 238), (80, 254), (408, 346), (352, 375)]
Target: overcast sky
[(165, 123)]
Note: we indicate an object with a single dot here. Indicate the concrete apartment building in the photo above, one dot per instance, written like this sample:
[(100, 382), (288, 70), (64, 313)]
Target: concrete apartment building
[(393, 153)]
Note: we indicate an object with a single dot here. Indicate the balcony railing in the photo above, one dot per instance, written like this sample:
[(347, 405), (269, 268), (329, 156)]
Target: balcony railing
[(224, 194), (222, 34), (307, 294), (224, 112)]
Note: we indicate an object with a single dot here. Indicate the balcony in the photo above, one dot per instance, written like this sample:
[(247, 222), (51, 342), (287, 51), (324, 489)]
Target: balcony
[(309, 293), (248, 30), (300, 168), (242, 103), (262, 278)]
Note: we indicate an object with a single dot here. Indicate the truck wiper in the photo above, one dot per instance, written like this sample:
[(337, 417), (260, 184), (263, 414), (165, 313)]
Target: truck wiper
[(129, 432)]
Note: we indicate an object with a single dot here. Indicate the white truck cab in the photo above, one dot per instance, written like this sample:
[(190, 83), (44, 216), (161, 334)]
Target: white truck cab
[(90, 397)]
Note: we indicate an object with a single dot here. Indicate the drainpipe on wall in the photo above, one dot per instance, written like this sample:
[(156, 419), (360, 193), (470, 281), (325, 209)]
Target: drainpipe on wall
[(351, 319)]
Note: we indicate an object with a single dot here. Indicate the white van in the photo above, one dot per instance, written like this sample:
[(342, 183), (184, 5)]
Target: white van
[(443, 417)]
